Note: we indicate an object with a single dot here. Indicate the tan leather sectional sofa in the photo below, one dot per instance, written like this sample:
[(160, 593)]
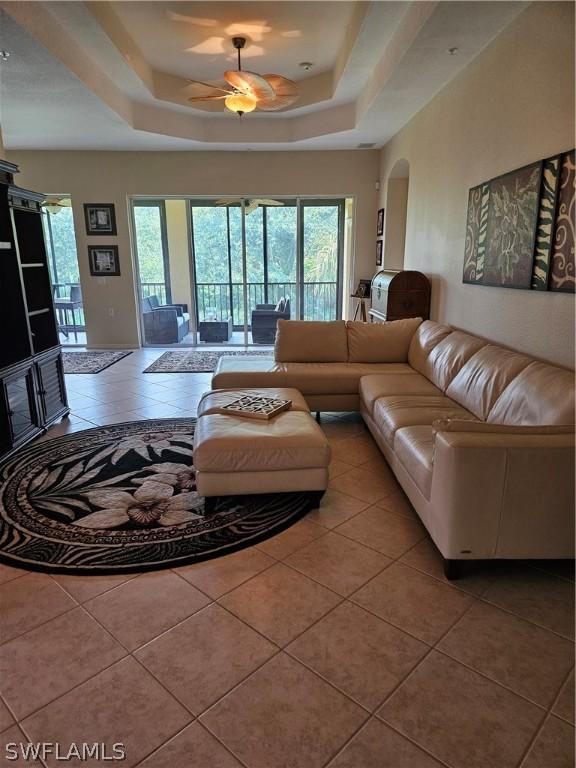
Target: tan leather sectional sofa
[(481, 438)]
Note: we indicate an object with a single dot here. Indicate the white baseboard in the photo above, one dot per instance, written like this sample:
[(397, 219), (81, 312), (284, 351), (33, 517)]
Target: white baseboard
[(105, 347)]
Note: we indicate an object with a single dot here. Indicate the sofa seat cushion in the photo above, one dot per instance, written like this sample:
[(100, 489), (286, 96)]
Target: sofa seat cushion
[(333, 378), (414, 449), (309, 378), (395, 412), (385, 384)]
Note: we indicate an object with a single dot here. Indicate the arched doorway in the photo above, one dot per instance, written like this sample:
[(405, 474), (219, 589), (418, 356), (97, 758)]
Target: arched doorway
[(395, 220)]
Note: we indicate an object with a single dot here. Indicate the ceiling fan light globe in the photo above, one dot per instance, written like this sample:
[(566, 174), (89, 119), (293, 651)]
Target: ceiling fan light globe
[(240, 102)]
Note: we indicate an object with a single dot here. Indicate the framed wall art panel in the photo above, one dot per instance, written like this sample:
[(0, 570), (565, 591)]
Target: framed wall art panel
[(511, 228), (545, 226), (475, 243), (562, 263)]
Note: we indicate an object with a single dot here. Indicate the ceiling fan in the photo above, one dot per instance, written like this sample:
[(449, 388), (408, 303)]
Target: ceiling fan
[(248, 90), (54, 205), (250, 205)]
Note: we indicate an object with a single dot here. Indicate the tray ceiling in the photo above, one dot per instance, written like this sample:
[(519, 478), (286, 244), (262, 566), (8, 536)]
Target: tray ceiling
[(113, 74)]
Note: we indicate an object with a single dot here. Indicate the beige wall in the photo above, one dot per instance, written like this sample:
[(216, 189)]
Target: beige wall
[(395, 223), (513, 105), (113, 176)]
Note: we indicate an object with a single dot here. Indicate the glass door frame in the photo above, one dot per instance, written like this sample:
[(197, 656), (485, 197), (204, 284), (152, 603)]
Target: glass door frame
[(307, 202), (159, 203)]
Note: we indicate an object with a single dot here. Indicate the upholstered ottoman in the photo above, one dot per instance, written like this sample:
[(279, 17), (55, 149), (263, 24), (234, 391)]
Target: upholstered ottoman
[(234, 455)]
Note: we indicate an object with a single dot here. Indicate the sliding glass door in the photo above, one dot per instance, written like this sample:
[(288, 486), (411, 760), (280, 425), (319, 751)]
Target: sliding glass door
[(60, 239), (322, 244), (152, 250), (287, 259), (213, 271)]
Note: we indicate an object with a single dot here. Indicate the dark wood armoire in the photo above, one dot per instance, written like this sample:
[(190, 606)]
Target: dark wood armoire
[(32, 389), (396, 295)]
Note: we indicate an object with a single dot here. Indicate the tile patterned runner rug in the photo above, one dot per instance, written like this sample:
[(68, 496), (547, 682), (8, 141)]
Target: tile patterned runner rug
[(90, 362), (196, 361)]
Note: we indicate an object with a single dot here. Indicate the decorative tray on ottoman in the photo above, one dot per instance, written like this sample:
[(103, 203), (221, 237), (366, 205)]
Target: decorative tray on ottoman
[(256, 407)]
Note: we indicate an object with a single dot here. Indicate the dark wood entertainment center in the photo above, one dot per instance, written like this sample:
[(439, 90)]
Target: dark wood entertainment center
[(32, 389)]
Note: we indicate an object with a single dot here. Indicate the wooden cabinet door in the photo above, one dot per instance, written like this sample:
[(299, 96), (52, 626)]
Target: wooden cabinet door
[(51, 388), (19, 406)]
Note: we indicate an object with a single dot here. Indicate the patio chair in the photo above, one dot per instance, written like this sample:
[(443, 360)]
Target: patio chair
[(164, 323), (264, 320), (63, 306)]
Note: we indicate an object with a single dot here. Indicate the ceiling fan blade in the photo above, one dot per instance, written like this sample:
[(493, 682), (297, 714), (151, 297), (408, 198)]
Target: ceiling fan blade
[(208, 98), (209, 85), (285, 93), (265, 201), (249, 82), (227, 201), (282, 86), (250, 206)]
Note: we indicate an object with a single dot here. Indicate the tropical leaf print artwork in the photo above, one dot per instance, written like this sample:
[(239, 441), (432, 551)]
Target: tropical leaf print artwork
[(511, 230)]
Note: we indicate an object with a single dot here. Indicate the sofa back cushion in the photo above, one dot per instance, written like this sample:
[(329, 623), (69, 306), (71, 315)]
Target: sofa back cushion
[(427, 336), (540, 394), (381, 342), (311, 341), (481, 380), (449, 355)]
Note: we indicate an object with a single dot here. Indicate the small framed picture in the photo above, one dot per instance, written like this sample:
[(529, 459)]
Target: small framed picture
[(363, 289), (104, 260), (380, 223), (379, 253), (100, 218)]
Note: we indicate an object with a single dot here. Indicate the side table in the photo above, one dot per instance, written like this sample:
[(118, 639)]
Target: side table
[(215, 331)]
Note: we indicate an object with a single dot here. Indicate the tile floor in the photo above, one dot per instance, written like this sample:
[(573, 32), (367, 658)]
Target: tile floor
[(337, 643)]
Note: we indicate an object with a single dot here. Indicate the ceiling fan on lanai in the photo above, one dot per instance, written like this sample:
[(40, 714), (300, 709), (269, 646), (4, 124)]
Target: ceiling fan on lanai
[(54, 205), (248, 90), (250, 205)]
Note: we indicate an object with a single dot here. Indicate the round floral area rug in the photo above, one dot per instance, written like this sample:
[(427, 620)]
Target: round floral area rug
[(123, 498)]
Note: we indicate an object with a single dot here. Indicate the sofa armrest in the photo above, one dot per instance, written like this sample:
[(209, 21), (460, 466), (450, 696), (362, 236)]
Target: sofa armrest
[(483, 427), (180, 308), (502, 495), (267, 313)]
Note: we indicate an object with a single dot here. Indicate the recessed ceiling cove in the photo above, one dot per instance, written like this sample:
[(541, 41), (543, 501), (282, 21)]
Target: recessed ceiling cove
[(129, 66)]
